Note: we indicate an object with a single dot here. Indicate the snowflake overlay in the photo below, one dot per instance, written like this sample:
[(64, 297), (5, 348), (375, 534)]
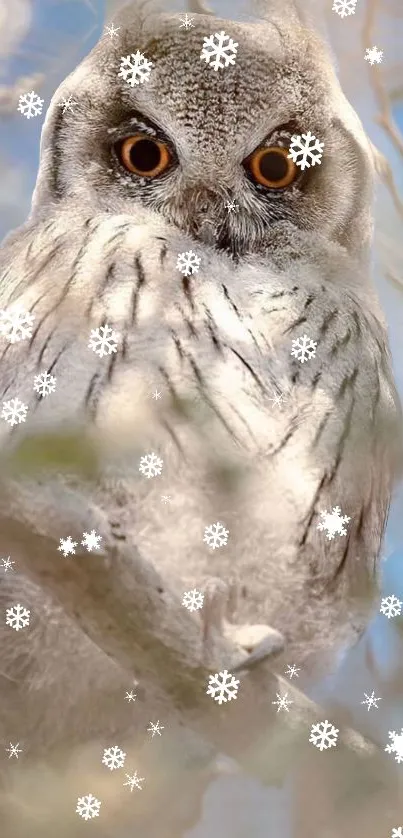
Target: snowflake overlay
[(6, 564), (391, 606), (282, 702), (397, 832), (216, 535), (344, 7), (113, 758), (151, 465), (134, 781), (67, 104), (221, 48), (67, 546), (231, 206), (130, 696), (14, 411), (292, 670), (17, 617), (373, 55), (44, 384), (188, 263), (397, 745), (222, 690), (16, 323), (103, 340), (305, 150), (135, 68), (88, 807), (333, 523), (13, 750), (193, 600), (154, 728), (371, 701), (187, 22), (30, 104), (111, 31), (304, 348), (323, 735), (91, 540)]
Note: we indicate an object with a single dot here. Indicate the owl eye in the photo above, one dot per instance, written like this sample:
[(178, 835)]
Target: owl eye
[(144, 155), (271, 167)]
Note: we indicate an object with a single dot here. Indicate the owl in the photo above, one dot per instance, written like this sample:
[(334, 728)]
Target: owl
[(205, 306)]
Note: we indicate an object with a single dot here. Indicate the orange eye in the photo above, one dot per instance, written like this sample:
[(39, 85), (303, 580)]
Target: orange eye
[(144, 156), (271, 167)]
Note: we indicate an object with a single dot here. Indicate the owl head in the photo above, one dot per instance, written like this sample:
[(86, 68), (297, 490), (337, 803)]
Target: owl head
[(190, 137)]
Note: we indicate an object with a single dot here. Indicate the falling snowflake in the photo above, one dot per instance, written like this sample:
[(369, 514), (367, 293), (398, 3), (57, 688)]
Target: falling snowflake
[(187, 22), (292, 670), (44, 384), (397, 832), (154, 728), (103, 340), (222, 690), (13, 750), (277, 400), (220, 47), (113, 758), (135, 68), (397, 745), (304, 348), (30, 104), (373, 55), (216, 535), (156, 395), (6, 564), (231, 206), (166, 499), (391, 606), (67, 546), (193, 600), (134, 781), (323, 735), (371, 701), (333, 523), (151, 465), (130, 696), (67, 104), (188, 263), (344, 7), (16, 323), (305, 150), (111, 31), (14, 411), (88, 807), (282, 702), (17, 617), (91, 540)]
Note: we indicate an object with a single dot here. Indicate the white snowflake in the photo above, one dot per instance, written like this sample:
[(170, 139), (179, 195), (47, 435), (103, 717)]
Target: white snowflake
[(16, 323), (30, 104), (135, 68), (396, 747), (221, 48), (154, 728), (151, 465), (67, 104), (304, 348), (14, 411), (156, 395), (91, 540), (44, 384), (166, 499), (13, 750), (67, 546), (397, 832), (371, 701), (193, 600), (187, 22), (134, 781), (373, 55), (222, 686), (305, 150), (17, 617), (130, 696), (111, 31), (323, 735), (103, 340), (6, 564), (282, 702), (344, 7), (113, 758), (188, 263), (231, 206), (391, 606), (292, 670), (88, 807), (333, 523), (277, 400), (216, 535)]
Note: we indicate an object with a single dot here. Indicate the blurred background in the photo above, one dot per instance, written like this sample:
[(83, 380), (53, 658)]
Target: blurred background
[(41, 41)]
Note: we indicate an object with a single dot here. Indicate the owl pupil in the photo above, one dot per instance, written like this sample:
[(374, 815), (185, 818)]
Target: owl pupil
[(145, 155), (273, 166)]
